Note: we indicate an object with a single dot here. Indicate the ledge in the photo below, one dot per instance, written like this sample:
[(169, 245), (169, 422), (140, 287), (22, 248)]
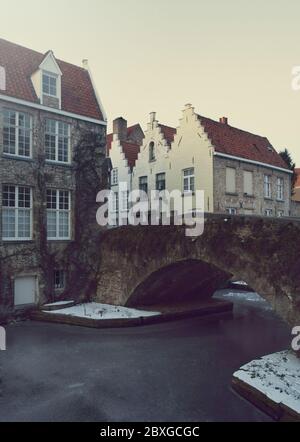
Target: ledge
[(214, 307)]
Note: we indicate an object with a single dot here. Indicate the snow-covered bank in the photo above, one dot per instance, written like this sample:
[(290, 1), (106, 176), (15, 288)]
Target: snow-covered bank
[(277, 376), (103, 311)]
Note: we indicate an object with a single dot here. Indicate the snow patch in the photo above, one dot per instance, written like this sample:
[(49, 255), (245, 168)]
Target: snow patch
[(244, 296), (240, 283), (277, 376), (58, 303), (103, 311)]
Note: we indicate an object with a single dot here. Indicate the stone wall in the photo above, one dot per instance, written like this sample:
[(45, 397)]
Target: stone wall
[(295, 209), (264, 252), (256, 204), (40, 257)]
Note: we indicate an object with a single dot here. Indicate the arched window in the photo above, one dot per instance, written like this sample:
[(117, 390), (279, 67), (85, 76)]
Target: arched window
[(152, 151)]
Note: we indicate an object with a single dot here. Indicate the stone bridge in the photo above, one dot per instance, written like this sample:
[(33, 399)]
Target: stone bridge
[(144, 266)]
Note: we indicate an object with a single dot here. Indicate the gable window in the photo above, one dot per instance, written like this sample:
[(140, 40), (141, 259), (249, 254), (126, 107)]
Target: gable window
[(57, 141), (248, 182), (16, 213), (58, 214), (230, 180), (143, 184), (17, 133), (161, 182), (267, 186), (114, 177), (49, 84), (280, 188), (152, 151), (59, 279), (189, 180)]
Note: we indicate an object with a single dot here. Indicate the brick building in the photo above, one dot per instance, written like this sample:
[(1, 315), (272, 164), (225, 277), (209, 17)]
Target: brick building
[(239, 172), (49, 110)]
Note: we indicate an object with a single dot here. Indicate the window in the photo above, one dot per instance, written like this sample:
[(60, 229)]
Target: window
[(268, 212), (116, 202), (280, 188), (152, 151), (114, 177), (189, 180), (58, 214), (248, 182), (230, 180), (231, 210), (124, 201), (16, 213), (59, 279), (280, 213), (160, 182), (267, 186), (57, 141), (17, 133), (49, 84), (143, 184)]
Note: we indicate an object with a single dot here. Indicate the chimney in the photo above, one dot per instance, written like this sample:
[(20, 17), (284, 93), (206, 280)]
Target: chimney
[(152, 117), (120, 128), (85, 63), (2, 79), (224, 120)]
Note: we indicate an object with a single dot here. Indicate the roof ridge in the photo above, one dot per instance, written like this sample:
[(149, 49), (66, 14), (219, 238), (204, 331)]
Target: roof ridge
[(42, 54), (235, 128)]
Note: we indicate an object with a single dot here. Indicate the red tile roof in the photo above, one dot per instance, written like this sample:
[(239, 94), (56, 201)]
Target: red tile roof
[(236, 142), (131, 150), (168, 132), (78, 95)]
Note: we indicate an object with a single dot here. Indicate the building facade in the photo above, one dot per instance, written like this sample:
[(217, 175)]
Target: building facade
[(50, 117), (239, 172)]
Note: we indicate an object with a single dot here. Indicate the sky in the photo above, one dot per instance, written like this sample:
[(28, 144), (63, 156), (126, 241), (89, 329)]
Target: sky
[(229, 58)]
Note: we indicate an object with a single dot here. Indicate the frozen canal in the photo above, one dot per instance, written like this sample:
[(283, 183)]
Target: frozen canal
[(178, 371)]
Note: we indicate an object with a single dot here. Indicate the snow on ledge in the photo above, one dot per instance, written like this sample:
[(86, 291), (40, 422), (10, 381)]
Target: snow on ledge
[(277, 376), (103, 311), (59, 303)]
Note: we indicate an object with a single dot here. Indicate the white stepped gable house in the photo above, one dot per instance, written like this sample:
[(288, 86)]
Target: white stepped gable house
[(46, 105), (239, 172)]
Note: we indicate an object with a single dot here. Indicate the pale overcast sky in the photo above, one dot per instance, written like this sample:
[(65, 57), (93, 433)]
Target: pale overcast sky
[(231, 58)]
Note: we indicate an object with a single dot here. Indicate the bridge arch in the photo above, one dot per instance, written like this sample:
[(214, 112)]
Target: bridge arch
[(263, 252)]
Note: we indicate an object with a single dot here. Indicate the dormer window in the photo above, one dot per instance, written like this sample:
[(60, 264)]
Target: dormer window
[(46, 81), (49, 84)]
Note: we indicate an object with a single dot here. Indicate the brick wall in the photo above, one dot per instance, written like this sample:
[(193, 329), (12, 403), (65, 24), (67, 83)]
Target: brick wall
[(255, 204)]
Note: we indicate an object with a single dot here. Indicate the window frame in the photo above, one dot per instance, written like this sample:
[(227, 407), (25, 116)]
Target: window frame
[(268, 213), (16, 209), (280, 189), (141, 185), (57, 212), (231, 211), (267, 186), (61, 273), (229, 191), (17, 128), (57, 136), (53, 76), (115, 176), (157, 181), (188, 179), (245, 174)]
